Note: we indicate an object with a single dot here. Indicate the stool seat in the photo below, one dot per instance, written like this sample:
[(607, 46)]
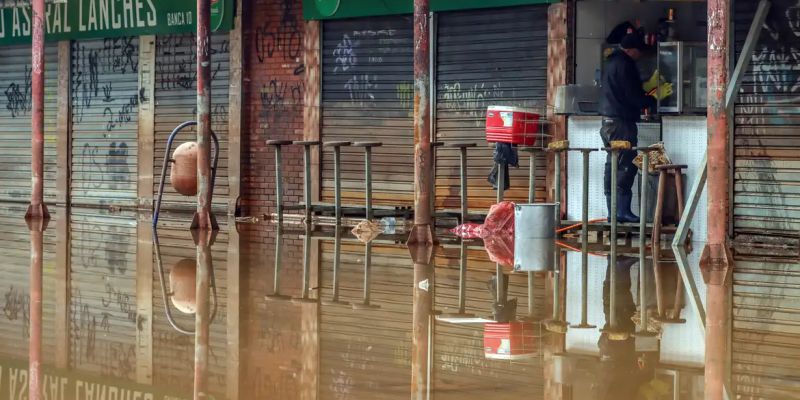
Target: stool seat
[(367, 144), (460, 145), (307, 142), (667, 167), (279, 142), (336, 144), (437, 144)]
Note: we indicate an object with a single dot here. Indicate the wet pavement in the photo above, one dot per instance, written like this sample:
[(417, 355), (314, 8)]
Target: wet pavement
[(293, 312)]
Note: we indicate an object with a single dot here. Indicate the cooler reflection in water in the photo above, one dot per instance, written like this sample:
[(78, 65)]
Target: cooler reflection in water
[(313, 313)]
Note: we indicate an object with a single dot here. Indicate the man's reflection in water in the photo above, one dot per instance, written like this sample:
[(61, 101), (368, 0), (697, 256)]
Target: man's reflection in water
[(503, 310), (623, 373)]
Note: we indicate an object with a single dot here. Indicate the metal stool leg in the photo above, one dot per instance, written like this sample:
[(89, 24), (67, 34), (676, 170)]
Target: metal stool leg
[(659, 211), (337, 183), (585, 246), (365, 299), (276, 282), (501, 182), (337, 249), (307, 180), (679, 191), (532, 179), (368, 180), (463, 173), (278, 183)]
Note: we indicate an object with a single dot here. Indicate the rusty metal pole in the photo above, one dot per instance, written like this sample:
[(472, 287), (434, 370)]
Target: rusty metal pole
[(423, 153), (203, 242), (37, 208), (36, 228), (203, 218), (422, 257), (716, 262)]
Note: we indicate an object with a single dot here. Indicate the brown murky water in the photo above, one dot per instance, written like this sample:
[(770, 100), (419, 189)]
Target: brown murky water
[(290, 313)]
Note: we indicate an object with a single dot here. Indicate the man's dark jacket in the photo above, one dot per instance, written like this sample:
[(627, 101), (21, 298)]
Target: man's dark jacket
[(622, 95)]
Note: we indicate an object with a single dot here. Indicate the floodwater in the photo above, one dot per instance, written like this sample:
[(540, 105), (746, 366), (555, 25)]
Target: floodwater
[(292, 312)]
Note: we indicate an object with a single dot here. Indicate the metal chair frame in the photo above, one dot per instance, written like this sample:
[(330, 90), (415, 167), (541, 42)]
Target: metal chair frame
[(169, 160)]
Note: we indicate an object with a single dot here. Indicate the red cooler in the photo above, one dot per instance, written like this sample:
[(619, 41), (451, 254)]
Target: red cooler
[(511, 125), (510, 341)]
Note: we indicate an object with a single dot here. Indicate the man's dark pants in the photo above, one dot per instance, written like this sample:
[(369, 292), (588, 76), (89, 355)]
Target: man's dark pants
[(616, 129)]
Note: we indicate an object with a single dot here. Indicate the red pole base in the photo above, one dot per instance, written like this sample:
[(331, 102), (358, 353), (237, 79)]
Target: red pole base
[(37, 212), (204, 221), (716, 264), (421, 236)]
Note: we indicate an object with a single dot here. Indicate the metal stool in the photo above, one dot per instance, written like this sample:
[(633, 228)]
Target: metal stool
[(663, 171), (584, 324), (462, 151), (337, 175), (278, 174), (365, 304), (368, 173), (307, 144)]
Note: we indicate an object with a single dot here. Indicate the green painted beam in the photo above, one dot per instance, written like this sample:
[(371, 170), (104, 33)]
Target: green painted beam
[(338, 9)]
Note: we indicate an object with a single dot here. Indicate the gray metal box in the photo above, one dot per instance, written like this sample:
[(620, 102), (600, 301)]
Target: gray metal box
[(535, 236)]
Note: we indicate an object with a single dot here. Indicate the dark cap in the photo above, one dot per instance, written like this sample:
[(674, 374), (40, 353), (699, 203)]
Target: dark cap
[(633, 41)]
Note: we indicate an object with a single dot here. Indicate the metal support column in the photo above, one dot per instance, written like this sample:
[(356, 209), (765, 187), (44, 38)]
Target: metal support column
[(716, 261), (203, 218), (37, 208), (35, 381), (423, 152)]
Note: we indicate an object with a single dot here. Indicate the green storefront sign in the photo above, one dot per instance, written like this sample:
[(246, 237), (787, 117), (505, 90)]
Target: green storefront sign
[(334, 9), (67, 385), (88, 19)]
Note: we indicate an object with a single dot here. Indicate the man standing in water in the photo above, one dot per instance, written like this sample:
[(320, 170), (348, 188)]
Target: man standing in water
[(621, 102)]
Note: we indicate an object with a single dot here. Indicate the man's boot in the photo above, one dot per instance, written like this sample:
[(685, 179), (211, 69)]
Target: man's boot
[(624, 213)]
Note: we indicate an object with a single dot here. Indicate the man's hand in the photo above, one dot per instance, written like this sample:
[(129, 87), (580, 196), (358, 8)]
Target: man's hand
[(662, 91), (651, 83)]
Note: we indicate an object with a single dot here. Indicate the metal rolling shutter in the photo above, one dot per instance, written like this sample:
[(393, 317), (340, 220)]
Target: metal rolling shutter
[(765, 329), (363, 351), (15, 288), (483, 58), (766, 207), (367, 95), (103, 287), (767, 117), (105, 98), (15, 122), (173, 352), (176, 102)]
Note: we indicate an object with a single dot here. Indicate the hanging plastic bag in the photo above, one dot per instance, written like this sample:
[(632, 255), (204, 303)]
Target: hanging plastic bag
[(497, 233)]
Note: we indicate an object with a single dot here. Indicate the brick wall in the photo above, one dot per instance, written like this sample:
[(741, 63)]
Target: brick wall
[(273, 96)]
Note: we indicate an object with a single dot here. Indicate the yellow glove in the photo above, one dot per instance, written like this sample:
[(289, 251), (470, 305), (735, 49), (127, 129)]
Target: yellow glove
[(651, 83), (662, 92)]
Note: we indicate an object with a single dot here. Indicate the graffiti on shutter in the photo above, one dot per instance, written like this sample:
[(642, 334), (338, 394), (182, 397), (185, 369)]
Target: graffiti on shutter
[(103, 292), (105, 99), (15, 123)]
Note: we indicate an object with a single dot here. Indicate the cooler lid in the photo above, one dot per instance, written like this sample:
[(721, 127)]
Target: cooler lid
[(512, 109)]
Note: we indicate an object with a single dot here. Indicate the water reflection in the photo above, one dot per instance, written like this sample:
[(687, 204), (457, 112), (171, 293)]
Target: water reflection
[(309, 312)]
